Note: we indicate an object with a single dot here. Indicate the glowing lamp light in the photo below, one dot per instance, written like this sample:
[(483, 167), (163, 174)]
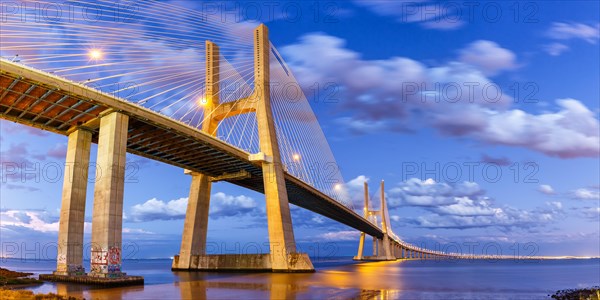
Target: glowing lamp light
[(95, 54), (202, 101), (296, 157)]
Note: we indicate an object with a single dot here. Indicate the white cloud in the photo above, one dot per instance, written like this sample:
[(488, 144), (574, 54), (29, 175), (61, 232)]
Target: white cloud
[(227, 205), (546, 189), (362, 126), (40, 221), (469, 207), (555, 204), (429, 14), (489, 57), (14, 128), (155, 209), (417, 192), (573, 131), (590, 212), (346, 235), (136, 231), (556, 49), (586, 194), (222, 205), (465, 205), (567, 31), (502, 217), (396, 93)]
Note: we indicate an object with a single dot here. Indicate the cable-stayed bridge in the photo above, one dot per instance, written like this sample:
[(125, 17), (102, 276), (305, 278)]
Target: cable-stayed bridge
[(173, 85)]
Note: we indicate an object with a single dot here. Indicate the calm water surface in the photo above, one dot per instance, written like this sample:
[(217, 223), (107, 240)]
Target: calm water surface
[(340, 278)]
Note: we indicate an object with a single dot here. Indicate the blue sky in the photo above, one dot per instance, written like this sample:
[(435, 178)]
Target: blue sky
[(388, 61)]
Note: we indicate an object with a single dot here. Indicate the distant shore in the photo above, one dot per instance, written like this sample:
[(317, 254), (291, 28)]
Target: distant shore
[(592, 293), (12, 279), (9, 280)]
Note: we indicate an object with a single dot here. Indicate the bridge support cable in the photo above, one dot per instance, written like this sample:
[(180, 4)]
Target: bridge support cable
[(307, 154), (152, 59)]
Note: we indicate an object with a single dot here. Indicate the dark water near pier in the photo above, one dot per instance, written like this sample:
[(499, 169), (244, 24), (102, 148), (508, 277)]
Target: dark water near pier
[(340, 278)]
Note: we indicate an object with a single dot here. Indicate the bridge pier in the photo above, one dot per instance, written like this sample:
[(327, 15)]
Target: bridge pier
[(385, 252), (282, 255), (69, 260), (361, 242), (107, 215), (361, 247), (195, 228), (281, 234), (383, 248)]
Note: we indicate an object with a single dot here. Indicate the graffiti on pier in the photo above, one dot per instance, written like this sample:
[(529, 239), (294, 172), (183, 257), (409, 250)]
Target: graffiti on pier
[(106, 260)]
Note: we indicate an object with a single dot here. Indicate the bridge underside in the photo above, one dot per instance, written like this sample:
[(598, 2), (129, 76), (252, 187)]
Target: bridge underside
[(54, 104)]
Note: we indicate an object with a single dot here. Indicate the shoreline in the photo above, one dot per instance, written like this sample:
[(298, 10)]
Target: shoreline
[(10, 279)]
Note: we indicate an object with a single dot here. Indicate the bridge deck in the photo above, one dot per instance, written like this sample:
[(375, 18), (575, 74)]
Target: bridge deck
[(38, 99)]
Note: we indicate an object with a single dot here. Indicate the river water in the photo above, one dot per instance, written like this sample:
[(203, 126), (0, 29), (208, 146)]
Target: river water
[(341, 278)]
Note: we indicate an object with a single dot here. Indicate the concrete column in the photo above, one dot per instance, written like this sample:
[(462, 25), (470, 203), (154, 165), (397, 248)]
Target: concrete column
[(209, 124), (374, 246), (72, 211), (281, 234), (107, 217), (361, 243), (380, 247), (384, 222), (195, 228), (361, 246)]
